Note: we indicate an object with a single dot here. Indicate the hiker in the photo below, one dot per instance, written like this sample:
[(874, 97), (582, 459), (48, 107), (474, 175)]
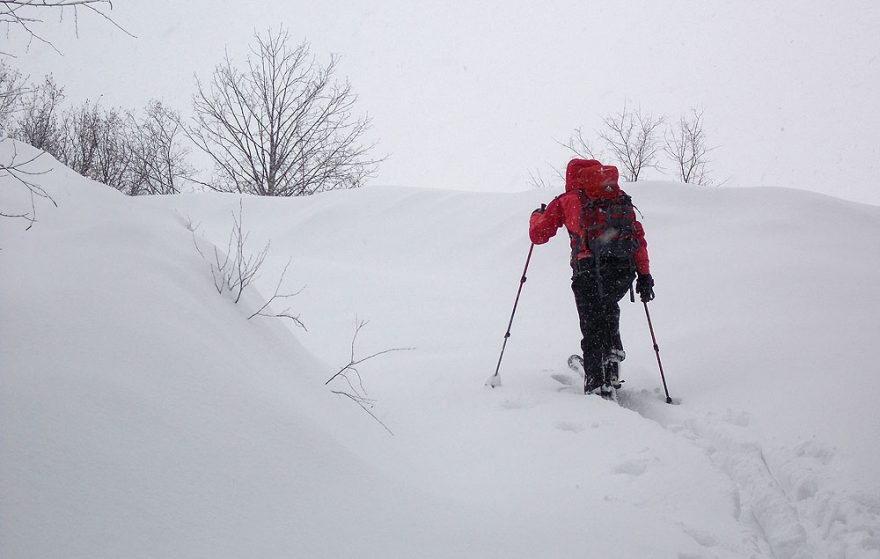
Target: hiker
[(608, 250)]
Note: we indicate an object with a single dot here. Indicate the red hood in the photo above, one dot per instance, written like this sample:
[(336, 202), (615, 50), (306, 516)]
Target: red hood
[(595, 179)]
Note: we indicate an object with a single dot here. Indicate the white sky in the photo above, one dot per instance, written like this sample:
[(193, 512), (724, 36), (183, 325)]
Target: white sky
[(473, 95)]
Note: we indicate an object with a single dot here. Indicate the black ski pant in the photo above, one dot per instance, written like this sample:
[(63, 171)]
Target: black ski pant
[(598, 287)]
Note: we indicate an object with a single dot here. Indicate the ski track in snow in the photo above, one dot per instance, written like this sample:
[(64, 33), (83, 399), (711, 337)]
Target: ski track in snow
[(783, 495)]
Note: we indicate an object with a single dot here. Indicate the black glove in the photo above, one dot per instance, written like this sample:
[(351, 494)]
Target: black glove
[(645, 287)]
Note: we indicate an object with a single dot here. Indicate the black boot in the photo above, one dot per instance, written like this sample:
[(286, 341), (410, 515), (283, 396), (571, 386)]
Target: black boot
[(592, 377), (611, 365)]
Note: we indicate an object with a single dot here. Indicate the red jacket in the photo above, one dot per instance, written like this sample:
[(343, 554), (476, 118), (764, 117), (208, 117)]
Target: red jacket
[(594, 181)]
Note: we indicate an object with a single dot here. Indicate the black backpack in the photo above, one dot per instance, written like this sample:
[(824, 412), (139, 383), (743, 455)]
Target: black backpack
[(608, 226)]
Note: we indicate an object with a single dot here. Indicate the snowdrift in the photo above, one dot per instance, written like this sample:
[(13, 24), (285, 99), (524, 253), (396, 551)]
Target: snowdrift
[(143, 415)]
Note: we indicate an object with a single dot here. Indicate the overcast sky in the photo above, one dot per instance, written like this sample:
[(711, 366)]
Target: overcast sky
[(474, 95)]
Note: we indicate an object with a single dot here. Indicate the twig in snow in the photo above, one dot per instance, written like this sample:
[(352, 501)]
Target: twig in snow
[(357, 392), (286, 313), (234, 269)]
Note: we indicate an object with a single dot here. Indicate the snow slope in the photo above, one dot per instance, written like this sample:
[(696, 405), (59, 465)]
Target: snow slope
[(143, 415)]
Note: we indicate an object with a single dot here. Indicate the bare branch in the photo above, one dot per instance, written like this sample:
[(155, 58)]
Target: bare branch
[(22, 175), (631, 136), (286, 313), (364, 406), (234, 269), (356, 392), (12, 89), (537, 180), (26, 15), (350, 366), (579, 146)]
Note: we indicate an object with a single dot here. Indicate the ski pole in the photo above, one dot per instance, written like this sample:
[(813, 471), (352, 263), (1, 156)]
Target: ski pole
[(495, 380), (657, 351)]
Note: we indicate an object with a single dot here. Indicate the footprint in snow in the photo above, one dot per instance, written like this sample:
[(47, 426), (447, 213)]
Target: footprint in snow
[(816, 451), (740, 419), (632, 467), (705, 539), (569, 426), (516, 404)]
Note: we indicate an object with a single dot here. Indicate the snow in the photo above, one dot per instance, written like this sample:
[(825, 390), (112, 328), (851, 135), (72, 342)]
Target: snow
[(143, 415)]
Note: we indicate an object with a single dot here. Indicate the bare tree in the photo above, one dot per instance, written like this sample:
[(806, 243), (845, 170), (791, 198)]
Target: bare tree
[(26, 15), (686, 146), (89, 139), (631, 137), (159, 159), (114, 154), (135, 155), (12, 89), (97, 144), (81, 134), (281, 127), (39, 123)]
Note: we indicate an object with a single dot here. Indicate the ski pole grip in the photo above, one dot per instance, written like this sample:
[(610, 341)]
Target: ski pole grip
[(543, 207)]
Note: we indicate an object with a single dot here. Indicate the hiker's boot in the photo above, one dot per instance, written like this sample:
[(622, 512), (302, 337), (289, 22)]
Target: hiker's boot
[(592, 383), (592, 377), (611, 366)]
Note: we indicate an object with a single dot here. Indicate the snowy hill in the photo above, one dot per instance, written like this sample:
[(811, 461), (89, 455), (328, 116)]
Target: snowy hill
[(143, 415)]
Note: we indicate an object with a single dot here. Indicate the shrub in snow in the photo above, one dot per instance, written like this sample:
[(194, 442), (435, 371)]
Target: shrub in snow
[(236, 268)]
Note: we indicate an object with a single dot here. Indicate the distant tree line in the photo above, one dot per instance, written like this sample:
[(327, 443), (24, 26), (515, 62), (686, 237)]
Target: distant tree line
[(280, 125), (134, 152), (277, 124), (636, 140)]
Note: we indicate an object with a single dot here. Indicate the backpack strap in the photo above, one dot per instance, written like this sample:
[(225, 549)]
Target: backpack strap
[(579, 243)]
